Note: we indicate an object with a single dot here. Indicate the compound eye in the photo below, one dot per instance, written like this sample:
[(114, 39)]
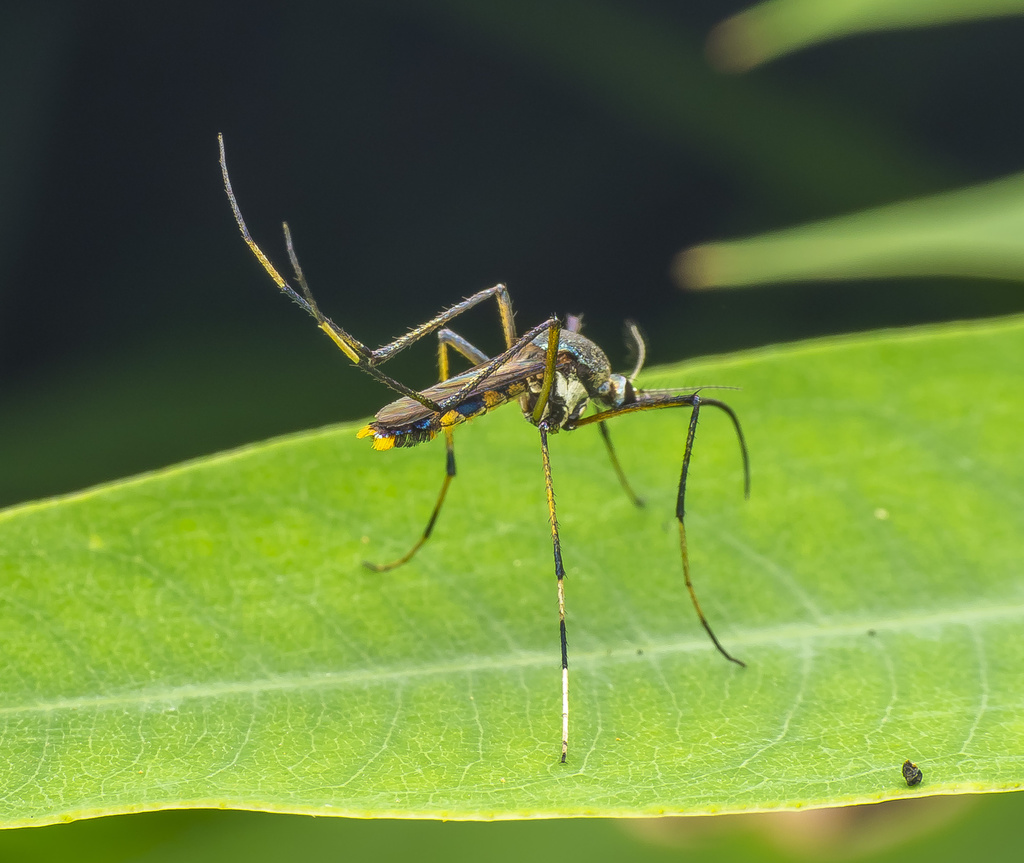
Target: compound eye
[(616, 391)]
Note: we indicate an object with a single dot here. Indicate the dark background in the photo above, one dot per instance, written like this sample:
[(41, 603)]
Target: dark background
[(422, 151)]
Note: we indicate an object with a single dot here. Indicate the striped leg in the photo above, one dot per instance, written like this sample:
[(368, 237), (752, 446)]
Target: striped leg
[(655, 400), (446, 339), (556, 543), (358, 353)]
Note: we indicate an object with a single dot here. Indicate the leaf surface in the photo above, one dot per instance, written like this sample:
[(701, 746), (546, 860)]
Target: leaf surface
[(207, 636)]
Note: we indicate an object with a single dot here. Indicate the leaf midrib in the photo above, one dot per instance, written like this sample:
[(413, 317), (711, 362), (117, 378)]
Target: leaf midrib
[(785, 635)]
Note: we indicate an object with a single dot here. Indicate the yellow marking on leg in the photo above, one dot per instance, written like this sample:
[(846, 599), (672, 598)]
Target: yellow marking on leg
[(696, 604), (549, 372), (340, 342), (249, 241), (263, 259)]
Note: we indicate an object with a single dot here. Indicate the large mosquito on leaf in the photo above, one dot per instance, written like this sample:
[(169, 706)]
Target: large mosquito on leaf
[(552, 370)]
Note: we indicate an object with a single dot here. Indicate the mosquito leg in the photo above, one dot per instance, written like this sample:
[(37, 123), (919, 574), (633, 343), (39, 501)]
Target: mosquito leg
[(739, 436), (446, 338), (651, 400), (358, 353), (499, 292), (607, 438), (494, 363), (455, 341), (680, 509), (658, 400), (560, 575), (448, 477), (368, 361), (355, 350), (256, 250), (554, 329)]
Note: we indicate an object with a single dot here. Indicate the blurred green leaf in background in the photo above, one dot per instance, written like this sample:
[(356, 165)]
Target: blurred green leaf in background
[(772, 28), (975, 232)]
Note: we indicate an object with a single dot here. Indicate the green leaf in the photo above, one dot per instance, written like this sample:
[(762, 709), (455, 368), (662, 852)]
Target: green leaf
[(776, 27), (975, 232), (206, 635)]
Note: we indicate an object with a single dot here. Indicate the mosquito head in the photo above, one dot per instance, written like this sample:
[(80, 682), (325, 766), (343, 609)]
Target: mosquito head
[(592, 366)]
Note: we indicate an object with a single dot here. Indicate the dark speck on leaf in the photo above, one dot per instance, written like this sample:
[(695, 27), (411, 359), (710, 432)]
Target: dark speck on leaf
[(912, 773)]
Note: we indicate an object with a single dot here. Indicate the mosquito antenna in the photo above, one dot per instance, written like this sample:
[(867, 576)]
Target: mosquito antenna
[(633, 332)]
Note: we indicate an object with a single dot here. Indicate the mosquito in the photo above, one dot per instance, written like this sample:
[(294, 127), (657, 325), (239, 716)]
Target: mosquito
[(554, 373)]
